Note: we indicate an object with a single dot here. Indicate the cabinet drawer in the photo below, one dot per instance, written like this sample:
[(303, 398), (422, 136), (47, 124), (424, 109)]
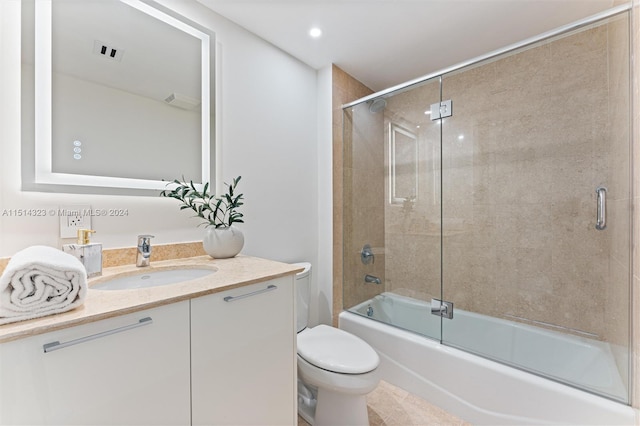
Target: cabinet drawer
[(243, 355), (118, 371)]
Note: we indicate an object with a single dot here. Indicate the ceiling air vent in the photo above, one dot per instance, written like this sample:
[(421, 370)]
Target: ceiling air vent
[(106, 51), (182, 101)]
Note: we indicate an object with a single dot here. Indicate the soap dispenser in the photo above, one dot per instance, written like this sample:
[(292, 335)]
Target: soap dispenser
[(90, 254)]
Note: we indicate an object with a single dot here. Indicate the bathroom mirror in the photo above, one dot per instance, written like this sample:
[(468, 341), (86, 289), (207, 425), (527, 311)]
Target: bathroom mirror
[(116, 94), (403, 165)]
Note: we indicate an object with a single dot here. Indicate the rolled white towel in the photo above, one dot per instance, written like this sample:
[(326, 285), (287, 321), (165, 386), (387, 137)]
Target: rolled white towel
[(40, 281)]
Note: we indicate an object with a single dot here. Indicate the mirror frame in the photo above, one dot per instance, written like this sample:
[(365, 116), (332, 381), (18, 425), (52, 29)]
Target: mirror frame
[(42, 177)]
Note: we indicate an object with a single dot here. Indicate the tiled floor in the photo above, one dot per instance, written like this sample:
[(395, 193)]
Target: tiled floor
[(391, 406)]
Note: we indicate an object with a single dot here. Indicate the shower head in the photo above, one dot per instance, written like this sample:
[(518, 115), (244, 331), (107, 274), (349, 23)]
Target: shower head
[(377, 105)]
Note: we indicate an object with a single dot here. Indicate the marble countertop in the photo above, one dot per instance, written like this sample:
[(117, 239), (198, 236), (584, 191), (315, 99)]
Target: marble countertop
[(100, 304)]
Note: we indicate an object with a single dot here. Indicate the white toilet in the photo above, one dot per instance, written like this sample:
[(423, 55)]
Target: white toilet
[(336, 370)]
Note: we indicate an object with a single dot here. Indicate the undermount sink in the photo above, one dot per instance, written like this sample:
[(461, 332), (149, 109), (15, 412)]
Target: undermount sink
[(152, 279)]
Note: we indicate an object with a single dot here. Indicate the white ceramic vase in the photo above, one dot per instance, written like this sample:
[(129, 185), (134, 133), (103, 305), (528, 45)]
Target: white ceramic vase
[(222, 243)]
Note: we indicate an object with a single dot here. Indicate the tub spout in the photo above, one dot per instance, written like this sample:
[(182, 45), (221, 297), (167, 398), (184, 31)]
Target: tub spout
[(371, 279)]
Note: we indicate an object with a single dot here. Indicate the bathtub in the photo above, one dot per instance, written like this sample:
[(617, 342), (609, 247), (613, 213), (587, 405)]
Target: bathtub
[(482, 391)]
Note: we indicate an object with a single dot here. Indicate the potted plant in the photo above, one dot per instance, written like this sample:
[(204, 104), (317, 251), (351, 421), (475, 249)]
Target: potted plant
[(222, 239)]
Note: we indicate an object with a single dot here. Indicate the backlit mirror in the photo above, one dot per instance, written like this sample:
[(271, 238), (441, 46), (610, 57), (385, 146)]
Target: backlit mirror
[(116, 94)]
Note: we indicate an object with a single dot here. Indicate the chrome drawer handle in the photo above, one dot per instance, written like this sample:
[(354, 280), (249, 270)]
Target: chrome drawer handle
[(253, 293), (54, 346)]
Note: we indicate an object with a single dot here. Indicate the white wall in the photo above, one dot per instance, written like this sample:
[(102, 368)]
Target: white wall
[(321, 312), (269, 136)]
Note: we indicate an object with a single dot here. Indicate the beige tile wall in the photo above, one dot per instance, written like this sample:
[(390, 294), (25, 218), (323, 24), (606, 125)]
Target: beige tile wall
[(616, 302), (519, 189), (412, 228), (363, 216), (345, 89), (524, 178), (636, 202)]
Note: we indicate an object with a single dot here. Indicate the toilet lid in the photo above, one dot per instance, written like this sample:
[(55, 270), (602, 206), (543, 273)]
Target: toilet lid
[(336, 350)]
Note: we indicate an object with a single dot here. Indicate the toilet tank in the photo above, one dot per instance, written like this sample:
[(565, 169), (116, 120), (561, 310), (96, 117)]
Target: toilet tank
[(303, 288)]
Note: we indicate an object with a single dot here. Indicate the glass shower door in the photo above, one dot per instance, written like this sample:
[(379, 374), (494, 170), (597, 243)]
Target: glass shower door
[(413, 206), (392, 206), (536, 208)]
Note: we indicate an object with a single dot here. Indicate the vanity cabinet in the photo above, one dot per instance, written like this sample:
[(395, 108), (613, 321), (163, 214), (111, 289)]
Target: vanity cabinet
[(243, 355), (127, 370), (227, 358)]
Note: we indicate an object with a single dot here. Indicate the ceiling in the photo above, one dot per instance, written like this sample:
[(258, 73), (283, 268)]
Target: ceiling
[(384, 43), (155, 59)]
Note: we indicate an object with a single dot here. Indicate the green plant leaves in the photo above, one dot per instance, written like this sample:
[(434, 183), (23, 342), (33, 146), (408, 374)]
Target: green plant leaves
[(216, 211)]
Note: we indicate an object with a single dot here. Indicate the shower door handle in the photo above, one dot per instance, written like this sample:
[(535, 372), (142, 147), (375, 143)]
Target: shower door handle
[(601, 208)]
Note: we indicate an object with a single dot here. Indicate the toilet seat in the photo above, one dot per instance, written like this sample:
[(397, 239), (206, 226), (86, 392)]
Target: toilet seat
[(336, 350)]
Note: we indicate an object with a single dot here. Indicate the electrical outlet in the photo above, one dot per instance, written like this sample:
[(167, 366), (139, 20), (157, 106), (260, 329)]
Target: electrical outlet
[(73, 218)]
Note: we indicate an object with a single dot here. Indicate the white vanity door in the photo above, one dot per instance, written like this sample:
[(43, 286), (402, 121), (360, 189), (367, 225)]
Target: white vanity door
[(136, 376), (243, 356)]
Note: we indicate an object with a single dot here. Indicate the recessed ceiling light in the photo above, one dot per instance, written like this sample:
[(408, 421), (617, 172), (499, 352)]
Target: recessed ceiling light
[(315, 32)]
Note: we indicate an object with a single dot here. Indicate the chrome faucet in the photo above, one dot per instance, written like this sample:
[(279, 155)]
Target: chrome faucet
[(144, 250), (366, 255), (371, 279)]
